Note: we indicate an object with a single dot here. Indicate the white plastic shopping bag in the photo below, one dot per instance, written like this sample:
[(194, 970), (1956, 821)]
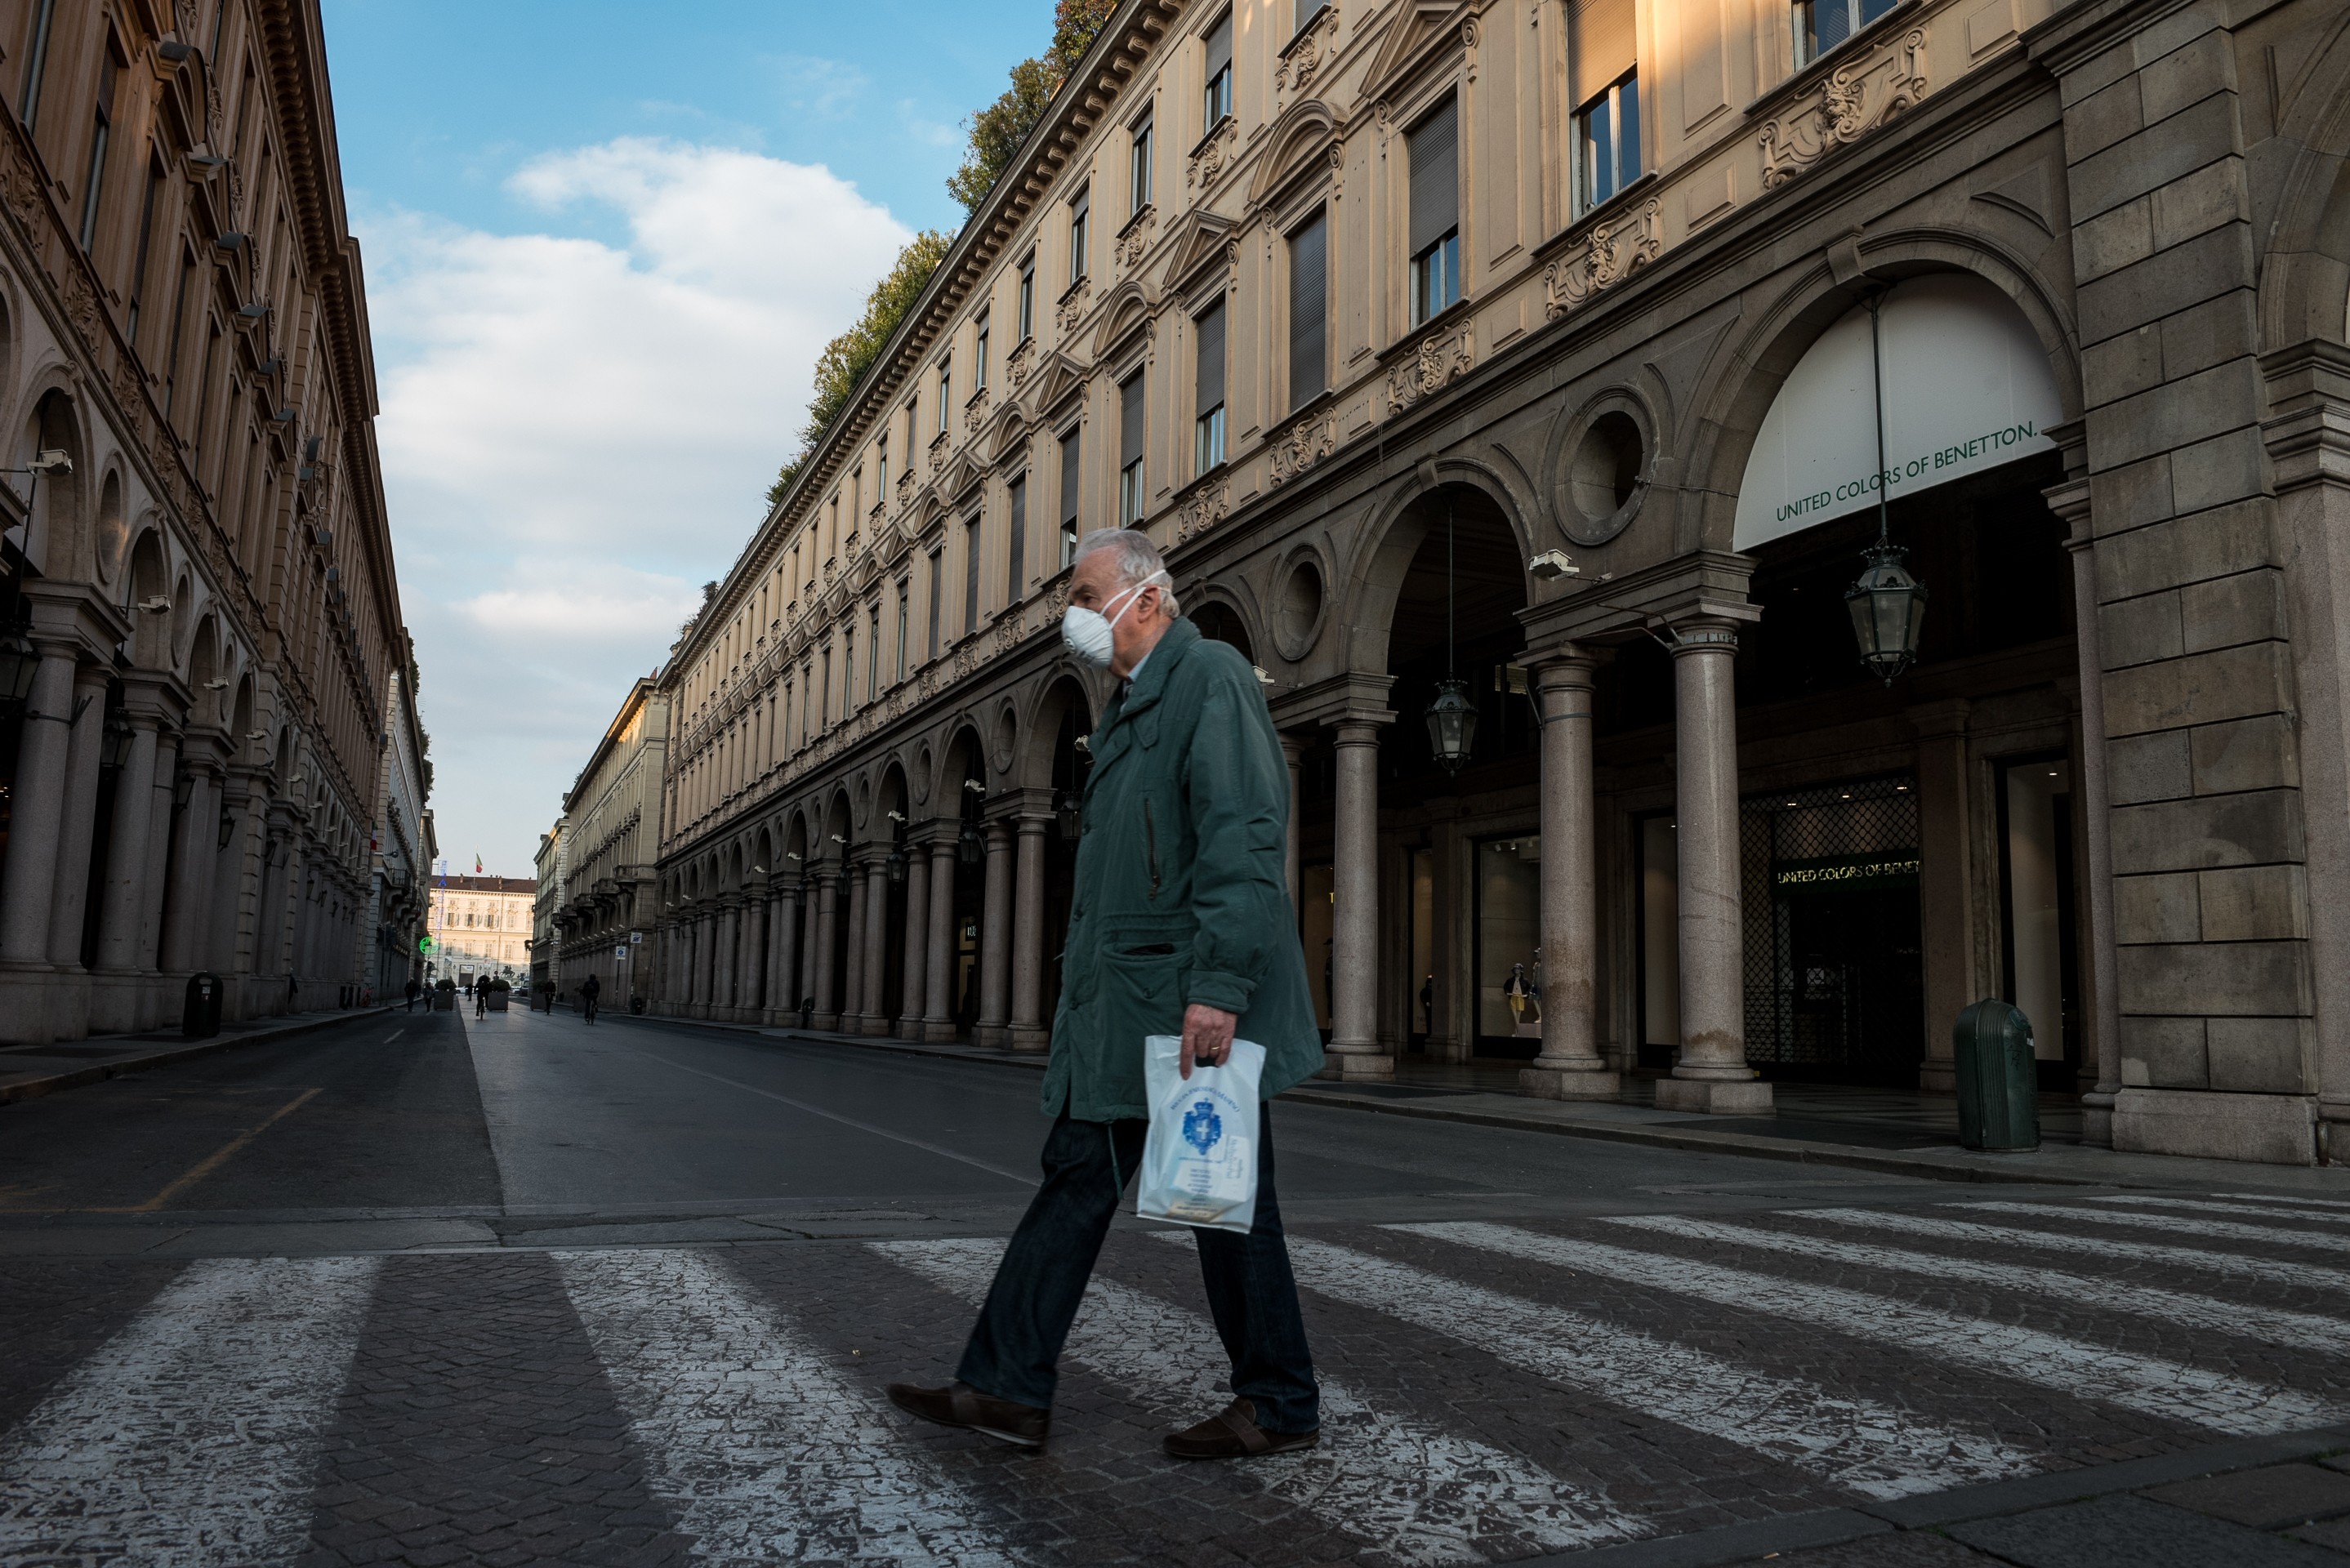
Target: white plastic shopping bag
[(1199, 1162)]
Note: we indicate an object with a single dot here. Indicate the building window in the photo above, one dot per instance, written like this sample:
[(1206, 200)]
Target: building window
[(1129, 451), (905, 598), (1016, 555), (946, 395), (1436, 213), (971, 576), (1139, 166), (873, 645), (881, 464), (1080, 222), (1603, 88), (1072, 482), (1216, 98), (37, 60), (1208, 426), (179, 316), (824, 698), (1306, 11), (848, 670), (938, 595), (1608, 142), (1028, 296), (979, 365), (1309, 300), (94, 183), (1822, 25), (155, 178)]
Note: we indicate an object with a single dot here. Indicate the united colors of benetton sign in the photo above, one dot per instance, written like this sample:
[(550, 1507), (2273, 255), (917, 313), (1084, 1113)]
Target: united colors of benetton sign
[(1966, 389)]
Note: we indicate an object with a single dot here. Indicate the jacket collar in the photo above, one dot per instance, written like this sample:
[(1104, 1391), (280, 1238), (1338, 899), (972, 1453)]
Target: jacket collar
[(1145, 691)]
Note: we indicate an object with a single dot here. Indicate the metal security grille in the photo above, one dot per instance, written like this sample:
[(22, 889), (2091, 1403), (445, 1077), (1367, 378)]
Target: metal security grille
[(1835, 973)]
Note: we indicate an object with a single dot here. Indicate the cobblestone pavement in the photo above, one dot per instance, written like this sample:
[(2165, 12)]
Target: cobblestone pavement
[(1970, 1380)]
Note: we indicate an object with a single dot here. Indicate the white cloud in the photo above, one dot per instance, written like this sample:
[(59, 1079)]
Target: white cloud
[(577, 431)]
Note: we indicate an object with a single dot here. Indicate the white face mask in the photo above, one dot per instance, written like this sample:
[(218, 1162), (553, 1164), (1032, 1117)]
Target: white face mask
[(1087, 632)]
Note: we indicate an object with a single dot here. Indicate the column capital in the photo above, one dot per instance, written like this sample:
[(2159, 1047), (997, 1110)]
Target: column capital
[(1359, 727), (2309, 438)]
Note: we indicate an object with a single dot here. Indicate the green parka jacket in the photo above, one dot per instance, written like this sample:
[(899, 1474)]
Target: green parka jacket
[(1182, 885)]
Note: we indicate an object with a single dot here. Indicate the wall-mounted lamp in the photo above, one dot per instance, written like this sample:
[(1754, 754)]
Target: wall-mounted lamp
[(1553, 564), (974, 787), (158, 604)]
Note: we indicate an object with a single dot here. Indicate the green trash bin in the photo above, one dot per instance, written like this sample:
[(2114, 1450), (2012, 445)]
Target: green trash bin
[(1999, 1081)]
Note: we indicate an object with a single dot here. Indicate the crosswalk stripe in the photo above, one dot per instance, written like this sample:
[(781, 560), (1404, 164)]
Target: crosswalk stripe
[(1878, 1450), (2166, 1389), (190, 1437), (2340, 1203), (1420, 1494), (1916, 1225), (766, 1452), (2171, 1225), (2302, 1331), (2205, 1206)]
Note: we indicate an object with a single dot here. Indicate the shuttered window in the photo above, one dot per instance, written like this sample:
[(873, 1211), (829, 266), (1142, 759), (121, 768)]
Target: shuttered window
[(971, 576), (1208, 397), (1016, 557), (1600, 41), (1138, 167), (1306, 10), (1129, 451), (1605, 91), (1071, 479), (938, 598), (1216, 105), (1081, 207), (1435, 235), (1309, 309)]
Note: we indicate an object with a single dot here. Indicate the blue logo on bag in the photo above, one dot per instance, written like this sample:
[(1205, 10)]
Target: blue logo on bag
[(1203, 1126)]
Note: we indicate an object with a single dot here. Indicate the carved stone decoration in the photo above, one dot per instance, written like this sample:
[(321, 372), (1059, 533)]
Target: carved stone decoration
[(905, 488), (1308, 53), (1207, 507), (1853, 102), (1609, 253), (1072, 308), (1303, 444), (1443, 359), (1210, 157), (937, 454), (1135, 238), (129, 393), (1021, 365), (975, 412), (24, 187)]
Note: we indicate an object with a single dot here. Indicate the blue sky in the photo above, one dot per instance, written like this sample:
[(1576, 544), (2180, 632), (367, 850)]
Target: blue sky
[(604, 244)]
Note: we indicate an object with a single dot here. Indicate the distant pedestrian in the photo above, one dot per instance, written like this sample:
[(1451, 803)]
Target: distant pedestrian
[(589, 990), (414, 991), (481, 999), (1183, 926)]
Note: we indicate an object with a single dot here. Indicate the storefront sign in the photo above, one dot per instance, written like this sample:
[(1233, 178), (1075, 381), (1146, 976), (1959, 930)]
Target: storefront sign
[(1967, 388), (1846, 873)]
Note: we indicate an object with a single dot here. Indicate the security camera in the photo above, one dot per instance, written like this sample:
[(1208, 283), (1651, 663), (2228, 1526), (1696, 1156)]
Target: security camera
[(974, 787), (51, 460), (1263, 677), (217, 683), (158, 604), (1552, 564)]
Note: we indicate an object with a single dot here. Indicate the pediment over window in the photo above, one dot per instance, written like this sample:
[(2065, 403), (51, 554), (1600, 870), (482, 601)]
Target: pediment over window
[(1299, 138), (1006, 433), (1413, 31), (1126, 311), (961, 474), (1055, 381), (1200, 240)]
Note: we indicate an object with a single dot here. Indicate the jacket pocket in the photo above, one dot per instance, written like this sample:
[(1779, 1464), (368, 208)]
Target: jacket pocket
[(1141, 993), (1150, 845)]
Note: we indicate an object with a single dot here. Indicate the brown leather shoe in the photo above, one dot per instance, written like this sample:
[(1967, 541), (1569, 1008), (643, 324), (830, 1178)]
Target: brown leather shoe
[(1234, 1434), (963, 1405)]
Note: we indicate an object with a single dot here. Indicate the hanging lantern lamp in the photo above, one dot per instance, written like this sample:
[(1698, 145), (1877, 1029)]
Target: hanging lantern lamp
[(896, 865), (1452, 724), (114, 744), (970, 847), (1888, 607), (1068, 814), (18, 660)]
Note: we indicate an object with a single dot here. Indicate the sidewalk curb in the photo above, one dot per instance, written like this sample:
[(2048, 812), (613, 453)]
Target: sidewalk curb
[(1690, 1141), (99, 1072)]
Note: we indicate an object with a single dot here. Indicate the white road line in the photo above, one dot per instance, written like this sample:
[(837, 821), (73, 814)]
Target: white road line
[(2285, 1198), (2272, 1325), (1416, 1492), (2265, 1210), (2167, 1389), (1916, 1225), (1876, 1450), (2171, 1225), (767, 1452), (394, 1035), (189, 1439)]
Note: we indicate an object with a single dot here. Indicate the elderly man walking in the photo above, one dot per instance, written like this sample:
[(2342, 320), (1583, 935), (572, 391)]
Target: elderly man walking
[(1181, 925)]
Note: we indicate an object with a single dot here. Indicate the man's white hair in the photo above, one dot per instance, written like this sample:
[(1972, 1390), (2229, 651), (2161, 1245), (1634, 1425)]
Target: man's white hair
[(1137, 561)]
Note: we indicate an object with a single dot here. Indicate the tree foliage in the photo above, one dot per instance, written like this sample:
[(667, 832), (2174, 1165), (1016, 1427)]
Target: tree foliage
[(996, 132)]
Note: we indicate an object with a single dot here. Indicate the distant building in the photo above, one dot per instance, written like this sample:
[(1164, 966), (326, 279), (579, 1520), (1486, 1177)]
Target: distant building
[(482, 925), (602, 915)]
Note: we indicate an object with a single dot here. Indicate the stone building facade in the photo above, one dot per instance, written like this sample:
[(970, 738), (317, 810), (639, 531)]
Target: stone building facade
[(405, 849), (1568, 357), (199, 624), (482, 926), (609, 836)]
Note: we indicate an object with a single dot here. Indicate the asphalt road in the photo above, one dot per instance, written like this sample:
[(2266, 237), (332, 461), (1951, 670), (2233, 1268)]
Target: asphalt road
[(429, 1289)]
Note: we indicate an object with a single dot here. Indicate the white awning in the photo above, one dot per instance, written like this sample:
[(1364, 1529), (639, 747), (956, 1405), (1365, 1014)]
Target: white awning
[(1967, 388)]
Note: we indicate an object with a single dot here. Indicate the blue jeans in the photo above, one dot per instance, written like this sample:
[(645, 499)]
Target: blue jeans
[(1251, 1293)]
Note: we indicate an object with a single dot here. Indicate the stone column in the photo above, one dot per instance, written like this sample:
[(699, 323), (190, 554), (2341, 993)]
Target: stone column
[(876, 952), (1712, 1074), (825, 938), (1293, 752), (1946, 886), (159, 856), (114, 1002), (1030, 1031), (938, 1017), (784, 974), (705, 961), (78, 824), (1355, 916), (914, 990), (1570, 1066), (36, 828), (852, 998), (232, 895), (760, 978), (995, 940), (192, 857)]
